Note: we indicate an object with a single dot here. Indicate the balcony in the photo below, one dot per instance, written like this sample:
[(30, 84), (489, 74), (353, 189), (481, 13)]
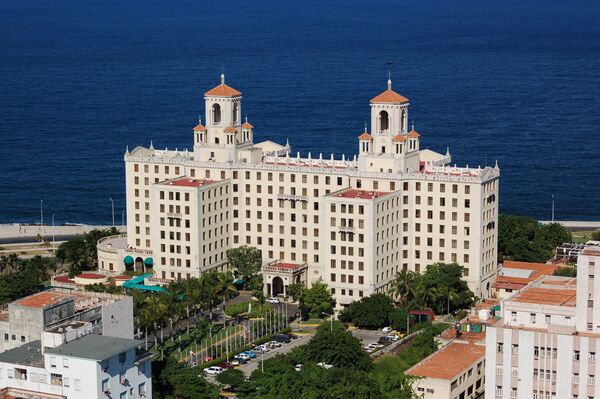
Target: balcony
[(290, 197), (346, 229)]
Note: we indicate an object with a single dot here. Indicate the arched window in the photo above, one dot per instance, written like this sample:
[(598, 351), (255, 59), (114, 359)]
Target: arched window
[(216, 140), (216, 113), (403, 120), (384, 121), (236, 109)]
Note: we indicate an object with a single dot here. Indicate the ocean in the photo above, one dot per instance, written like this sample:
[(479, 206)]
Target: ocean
[(512, 81)]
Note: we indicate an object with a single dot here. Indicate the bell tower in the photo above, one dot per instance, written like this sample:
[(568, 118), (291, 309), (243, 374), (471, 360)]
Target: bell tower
[(223, 110), (389, 117)]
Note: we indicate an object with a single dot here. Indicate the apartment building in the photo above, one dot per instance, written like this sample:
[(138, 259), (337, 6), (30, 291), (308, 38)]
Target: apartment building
[(457, 371), (423, 211), (87, 367), (26, 319), (545, 345)]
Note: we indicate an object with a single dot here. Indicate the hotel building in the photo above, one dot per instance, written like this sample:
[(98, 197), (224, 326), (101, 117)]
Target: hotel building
[(546, 342), (352, 222)]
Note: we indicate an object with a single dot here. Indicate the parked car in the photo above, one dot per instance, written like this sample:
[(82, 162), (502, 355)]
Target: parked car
[(244, 356), (298, 367), (225, 365), (235, 362), (282, 338), (262, 348), (274, 344), (273, 300), (384, 340), (250, 353), (324, 365), (393, 338), (213, 370), (386, 330)]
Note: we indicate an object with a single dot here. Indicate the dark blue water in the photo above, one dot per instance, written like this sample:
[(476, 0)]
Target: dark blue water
[(517, 81)]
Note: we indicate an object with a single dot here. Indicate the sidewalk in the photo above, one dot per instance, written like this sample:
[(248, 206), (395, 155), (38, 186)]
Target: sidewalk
[(13, 233)]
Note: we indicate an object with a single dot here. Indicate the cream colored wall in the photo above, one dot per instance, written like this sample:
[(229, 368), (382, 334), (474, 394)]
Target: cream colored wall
[(436, 388), (206, 239)]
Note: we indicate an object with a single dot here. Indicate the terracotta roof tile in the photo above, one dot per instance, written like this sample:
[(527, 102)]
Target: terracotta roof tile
[(247, 125), (223, 90), (449, 362), (399, 137), (199, 128), (42, 299), (413, 134), (365, 136), (230, 129), (389, 96)]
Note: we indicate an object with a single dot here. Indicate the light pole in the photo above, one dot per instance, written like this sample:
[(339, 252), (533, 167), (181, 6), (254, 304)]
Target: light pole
[(53, 230), (123, 218), (113, 210), (331, 319), (41, 213)]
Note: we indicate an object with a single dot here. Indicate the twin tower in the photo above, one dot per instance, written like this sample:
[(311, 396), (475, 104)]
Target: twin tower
[(390, 147)]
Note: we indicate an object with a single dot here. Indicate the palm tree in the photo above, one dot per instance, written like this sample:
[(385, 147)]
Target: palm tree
[(159, 312), (146, 320), (225, 287), (175, 304), (449, 294), (403, 287), (424, 295)]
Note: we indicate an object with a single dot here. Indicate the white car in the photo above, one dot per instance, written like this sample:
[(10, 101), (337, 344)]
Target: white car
[(274, 344), (392, 338), (273, 300), (263, 347), (242, 356), (213, 370), (324, 365), (386, 330)]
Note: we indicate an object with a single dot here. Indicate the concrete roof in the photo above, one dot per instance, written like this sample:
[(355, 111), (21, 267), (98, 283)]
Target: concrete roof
[(28, 354), (94, 347)]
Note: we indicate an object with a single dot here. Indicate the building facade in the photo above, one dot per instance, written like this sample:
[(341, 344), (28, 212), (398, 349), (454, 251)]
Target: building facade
[(87, 367), (546, 343), (457, 371), (25, 319), (352, 222)]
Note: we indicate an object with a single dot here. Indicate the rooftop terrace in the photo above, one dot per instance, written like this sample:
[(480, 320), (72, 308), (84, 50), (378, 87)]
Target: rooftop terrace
[(549, 290), (352, 193), (449, 362), (186, 182)]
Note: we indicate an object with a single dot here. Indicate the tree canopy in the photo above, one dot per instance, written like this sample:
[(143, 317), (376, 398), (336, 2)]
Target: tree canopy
[(370, 312), (24, 278), (79, 253), (440, 286), (522, 238), (245, 261), (316, 300), (348, 377)]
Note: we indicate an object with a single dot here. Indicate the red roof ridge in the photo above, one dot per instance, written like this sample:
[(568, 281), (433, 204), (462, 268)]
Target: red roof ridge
[(223, 90), (365, 136), (199, 128), (399, 137), (389, 96)]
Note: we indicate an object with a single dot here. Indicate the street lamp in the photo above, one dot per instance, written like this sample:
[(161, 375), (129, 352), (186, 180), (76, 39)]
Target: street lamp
[(331, 319), (53, 230), (113, 210), (41, 213)]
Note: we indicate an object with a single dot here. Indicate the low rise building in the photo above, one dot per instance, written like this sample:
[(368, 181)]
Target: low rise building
[(513, 276), (545, 344), (25, 319), (87, 367), (454, 372)]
